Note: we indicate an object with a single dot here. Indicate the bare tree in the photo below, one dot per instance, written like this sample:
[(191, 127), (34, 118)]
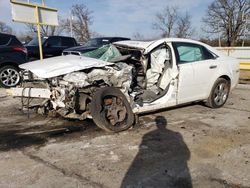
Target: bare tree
[(227, 17), (4, 28), (46, 30), (166, 20), (183, 27), (138, 36), (171, 22), (81, 21)]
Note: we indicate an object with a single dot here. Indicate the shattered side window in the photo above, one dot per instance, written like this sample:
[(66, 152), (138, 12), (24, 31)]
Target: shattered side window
[(105, 53)]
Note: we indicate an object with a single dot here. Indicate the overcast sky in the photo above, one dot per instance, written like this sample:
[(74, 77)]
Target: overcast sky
[(119, 17)]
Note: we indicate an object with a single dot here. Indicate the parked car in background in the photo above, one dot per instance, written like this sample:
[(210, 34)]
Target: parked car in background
[(92, 44), (52, 46), (115, 82), (12, 54)]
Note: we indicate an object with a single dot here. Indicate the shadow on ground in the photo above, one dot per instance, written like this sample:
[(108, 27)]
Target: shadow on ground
[(18, 138), (161, 160)]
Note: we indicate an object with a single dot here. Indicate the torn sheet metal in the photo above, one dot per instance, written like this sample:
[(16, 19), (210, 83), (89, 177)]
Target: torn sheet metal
[(78, 78), (119, 75), (159, 103), (61, 65), (134, 44)]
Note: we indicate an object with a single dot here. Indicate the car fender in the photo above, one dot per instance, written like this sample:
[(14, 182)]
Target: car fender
[(12, 63), (218, 75)]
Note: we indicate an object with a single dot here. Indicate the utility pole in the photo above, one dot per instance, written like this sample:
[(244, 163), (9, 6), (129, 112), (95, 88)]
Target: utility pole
[(219, 34), (245, 28), (70, 24)]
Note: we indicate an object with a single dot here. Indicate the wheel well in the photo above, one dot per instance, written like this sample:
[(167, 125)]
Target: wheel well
[(8, 63), (226, 78)]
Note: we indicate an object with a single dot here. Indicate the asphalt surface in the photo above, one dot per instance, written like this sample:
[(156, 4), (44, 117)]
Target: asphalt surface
[(188, 146)]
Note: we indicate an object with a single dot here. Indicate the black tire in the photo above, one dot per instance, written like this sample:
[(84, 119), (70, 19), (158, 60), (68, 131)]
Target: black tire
[(9, 76), (111, 110), (219, 93)]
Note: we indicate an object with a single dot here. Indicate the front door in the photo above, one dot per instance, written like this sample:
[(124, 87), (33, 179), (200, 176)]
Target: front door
[(197, 68)]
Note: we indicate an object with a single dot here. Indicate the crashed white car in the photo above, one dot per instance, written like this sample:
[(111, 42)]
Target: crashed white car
[(116, 82)]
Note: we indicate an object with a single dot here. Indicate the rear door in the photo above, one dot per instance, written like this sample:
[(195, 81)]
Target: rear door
[(197, 69)]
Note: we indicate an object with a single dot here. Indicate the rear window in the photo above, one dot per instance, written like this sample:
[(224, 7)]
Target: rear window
[(68, 42), (15, 42), (96, 42), (54, 41), (4, 40)]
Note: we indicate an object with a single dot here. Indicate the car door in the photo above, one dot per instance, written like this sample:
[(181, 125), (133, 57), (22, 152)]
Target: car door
[(197, 70)]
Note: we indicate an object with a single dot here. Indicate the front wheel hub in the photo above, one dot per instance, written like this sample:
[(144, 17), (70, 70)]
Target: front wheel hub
[(115, 110)]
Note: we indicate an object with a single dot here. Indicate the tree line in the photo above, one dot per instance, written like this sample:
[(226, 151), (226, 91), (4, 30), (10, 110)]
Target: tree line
[(226, 22)]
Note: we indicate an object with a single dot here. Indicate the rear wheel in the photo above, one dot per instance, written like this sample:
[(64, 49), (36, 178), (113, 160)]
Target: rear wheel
[(219, 93), (111, 110), (9, 76)]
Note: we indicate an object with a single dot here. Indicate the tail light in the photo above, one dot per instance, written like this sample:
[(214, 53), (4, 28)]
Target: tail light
[(20, 49)]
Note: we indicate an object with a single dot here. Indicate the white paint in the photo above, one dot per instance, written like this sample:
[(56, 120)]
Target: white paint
[(27, 13), (61, 65)]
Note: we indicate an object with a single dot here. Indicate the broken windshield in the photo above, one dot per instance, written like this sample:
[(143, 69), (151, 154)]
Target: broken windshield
[(104, 53)]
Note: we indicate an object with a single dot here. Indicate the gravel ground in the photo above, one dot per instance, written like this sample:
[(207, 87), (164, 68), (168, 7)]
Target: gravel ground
[(188, 146)]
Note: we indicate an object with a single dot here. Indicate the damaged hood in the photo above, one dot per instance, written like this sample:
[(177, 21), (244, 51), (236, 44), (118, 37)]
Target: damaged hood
[(146, 46), (61, 65)]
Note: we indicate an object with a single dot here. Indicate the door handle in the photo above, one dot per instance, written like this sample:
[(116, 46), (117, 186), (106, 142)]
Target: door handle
[(213, 66)]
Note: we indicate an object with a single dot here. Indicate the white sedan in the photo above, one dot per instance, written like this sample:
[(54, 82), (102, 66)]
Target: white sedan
[(115, 82)]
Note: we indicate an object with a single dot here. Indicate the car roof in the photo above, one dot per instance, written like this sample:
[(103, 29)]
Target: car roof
[(111, 38), (149, 45), (59, 36)]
